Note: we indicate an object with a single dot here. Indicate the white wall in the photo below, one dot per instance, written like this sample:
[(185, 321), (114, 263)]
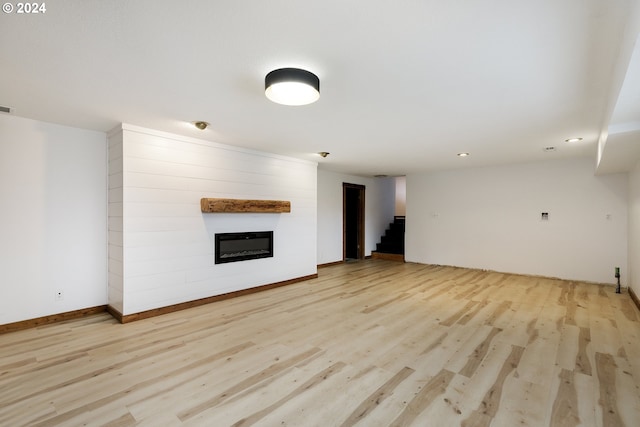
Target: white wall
[(401, 195), (115, 222), (168, 255), (53, 227), (379, 210), (489, 218), (633, 278)]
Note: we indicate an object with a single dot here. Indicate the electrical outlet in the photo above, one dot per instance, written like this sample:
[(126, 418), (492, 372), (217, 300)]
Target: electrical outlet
[(59, 296)]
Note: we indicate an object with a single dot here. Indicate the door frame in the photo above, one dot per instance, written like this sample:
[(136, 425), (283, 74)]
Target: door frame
[(360, 224)]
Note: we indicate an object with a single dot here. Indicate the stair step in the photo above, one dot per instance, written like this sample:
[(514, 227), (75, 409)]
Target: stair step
[(391, 249), (391, 257), (392, 242)]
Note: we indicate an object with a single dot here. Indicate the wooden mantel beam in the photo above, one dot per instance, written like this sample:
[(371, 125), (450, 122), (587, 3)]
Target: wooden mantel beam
[(209, 205)]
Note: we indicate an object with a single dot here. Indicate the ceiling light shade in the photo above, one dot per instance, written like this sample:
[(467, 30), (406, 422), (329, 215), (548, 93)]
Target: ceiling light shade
[(292, 86)]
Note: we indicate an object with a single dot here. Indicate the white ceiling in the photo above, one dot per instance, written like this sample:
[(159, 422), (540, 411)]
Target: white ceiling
[(622, 144), (404, 85)]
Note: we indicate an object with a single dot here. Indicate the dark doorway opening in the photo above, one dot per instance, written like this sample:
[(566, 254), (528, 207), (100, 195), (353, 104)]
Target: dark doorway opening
[(353, 221)]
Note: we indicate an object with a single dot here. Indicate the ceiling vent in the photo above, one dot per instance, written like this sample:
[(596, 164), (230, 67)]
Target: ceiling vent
[(4, 109)]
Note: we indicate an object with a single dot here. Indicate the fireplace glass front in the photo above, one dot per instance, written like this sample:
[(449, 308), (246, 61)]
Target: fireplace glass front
[(231, 247)]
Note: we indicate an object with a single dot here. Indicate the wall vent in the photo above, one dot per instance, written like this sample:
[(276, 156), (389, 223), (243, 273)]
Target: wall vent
[(4, 109)]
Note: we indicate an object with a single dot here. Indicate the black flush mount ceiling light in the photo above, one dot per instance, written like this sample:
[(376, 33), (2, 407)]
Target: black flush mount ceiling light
[(292, 86)]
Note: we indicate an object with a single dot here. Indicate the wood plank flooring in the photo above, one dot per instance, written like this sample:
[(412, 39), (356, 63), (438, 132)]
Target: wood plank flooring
[(372, 343)]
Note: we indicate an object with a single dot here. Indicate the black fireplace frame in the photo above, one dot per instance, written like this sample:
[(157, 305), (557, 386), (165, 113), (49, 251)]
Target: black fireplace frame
[(221, 239)]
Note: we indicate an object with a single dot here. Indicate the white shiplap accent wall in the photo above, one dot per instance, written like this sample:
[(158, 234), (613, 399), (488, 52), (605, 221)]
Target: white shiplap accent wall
[(168, 254), (115, 253)]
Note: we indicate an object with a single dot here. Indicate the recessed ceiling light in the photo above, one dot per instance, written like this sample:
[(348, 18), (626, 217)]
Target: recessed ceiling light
[(201, 125), (463, 154), (573, 140), (323, 153)]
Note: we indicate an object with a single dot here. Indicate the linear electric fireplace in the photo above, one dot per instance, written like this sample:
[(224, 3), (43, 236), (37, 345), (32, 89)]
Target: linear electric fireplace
[(231, 247)]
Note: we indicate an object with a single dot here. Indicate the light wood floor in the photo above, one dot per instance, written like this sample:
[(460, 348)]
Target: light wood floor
[(373, 343)]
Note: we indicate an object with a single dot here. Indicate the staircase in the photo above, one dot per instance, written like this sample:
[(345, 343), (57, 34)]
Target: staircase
[(391, 245)]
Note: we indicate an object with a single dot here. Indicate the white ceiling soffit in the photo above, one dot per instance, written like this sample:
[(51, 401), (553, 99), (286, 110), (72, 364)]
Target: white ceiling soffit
[(404, 86), (620, 148)]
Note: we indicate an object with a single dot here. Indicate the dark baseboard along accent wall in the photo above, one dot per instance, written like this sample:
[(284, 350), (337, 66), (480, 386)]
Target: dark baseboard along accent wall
[(114, 313), (329, 264), (195, 303), (54, 318)]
